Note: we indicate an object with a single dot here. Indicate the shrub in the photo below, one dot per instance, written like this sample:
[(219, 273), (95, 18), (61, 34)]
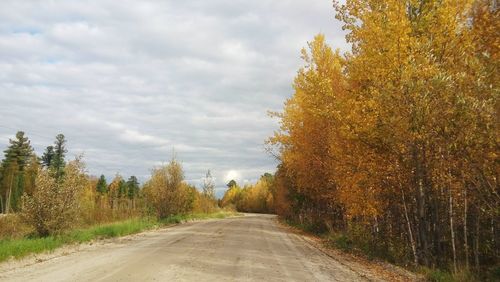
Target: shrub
[(167, 193), (53, 206)]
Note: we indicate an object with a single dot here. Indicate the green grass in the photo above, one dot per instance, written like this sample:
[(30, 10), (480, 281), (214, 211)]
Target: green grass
[(437, 275), (22, 247), (18, 248), (440, 275), (194, 216)]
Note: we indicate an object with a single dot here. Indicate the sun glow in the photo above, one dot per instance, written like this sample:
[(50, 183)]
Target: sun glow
[(232, 175)]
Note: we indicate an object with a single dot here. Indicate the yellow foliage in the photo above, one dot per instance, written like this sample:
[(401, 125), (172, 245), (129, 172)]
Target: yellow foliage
[(401, 132)]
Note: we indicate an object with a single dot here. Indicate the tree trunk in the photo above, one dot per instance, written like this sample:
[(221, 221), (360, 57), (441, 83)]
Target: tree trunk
[(493, 241), (466, 245), (476, 242), (410, 233), (452, 235), (422, 226), (7, 203)]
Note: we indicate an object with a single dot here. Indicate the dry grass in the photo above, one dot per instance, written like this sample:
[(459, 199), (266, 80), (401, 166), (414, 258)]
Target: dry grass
[(12, 227)]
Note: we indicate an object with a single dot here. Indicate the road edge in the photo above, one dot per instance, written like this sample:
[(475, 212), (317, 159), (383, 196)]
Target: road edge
[(71, 248), (372, 270)]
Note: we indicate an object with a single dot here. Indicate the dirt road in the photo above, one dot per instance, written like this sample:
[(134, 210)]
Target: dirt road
[(249, 248)]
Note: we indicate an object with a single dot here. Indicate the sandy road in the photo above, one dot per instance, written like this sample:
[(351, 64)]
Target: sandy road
[(249, 248)]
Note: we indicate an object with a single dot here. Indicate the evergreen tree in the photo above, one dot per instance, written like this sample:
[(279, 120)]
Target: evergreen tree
[(122, 189), (132, 187), (12, 169), (48, 156), (231, 184), (102, 186), (58, 163), (19, 150)]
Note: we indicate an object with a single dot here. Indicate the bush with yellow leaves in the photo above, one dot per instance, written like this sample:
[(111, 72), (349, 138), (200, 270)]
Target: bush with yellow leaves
[(53, 206)]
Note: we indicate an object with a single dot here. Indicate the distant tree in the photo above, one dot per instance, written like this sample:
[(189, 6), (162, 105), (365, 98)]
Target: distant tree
[(232, 196), (19, 150), (231, 184), (102, 186), (251, 198), (115, 189), (60, 151), (132, 187), (48, 156), (267, 177), (122, 189), (209, 186), (166, 192)]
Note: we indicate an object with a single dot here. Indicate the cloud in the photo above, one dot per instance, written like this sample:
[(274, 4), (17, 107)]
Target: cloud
[(128, 82)]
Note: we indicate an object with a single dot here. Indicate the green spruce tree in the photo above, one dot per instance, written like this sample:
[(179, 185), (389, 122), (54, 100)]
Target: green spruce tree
[(132, 187), (12, 183), (102, 186), (58, 163), (48, 156), (122, 189)]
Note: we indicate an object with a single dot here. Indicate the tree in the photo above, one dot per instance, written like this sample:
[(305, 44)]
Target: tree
[(231, 197), (57, 161), (231, 183), (132, 187), (252, 198), (207, 202), (123, 189), (310, 123), (102, 186), (166, 192), (209, 186), (115, 189), (48, 156), (30, 174), (396, 143), (12, 170)]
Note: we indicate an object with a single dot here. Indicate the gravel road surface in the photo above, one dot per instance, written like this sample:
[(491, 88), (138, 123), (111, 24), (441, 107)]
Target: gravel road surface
[(247, 248)]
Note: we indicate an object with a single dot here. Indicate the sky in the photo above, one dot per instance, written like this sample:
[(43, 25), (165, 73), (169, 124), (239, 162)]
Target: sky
[(130, 82)]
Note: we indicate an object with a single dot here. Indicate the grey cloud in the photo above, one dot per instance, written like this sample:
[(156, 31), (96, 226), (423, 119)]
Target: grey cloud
[(127, 82)]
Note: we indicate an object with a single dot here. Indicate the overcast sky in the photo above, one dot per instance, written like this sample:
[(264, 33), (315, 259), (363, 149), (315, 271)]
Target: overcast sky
[(128, 82)]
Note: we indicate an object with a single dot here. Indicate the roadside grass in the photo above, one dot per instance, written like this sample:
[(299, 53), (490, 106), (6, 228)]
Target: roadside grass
[(197, 216), (18, 248), (440, 275)]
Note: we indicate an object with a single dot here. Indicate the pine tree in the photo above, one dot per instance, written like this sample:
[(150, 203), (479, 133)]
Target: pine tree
[(231, 183), (102, 186), (19, 149), (58, 162), (48, 156), (122, 189), (12, 169), (132, 187)]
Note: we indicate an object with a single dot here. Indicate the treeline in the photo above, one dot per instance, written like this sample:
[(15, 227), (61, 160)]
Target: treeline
[(50, 195), (395, 144), (256, 198)]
